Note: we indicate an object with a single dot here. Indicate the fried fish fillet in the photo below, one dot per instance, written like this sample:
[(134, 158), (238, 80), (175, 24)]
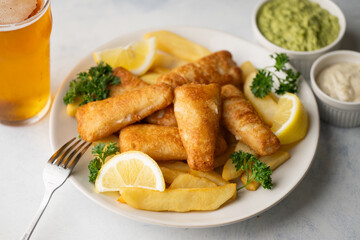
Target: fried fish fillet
[(242, 120), (218, 68), (159, 142), (197, 110), (102, 118), (165, 117), (128, 83)]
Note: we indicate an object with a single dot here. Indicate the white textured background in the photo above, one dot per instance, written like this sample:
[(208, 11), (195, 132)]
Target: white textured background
[(325, 205)]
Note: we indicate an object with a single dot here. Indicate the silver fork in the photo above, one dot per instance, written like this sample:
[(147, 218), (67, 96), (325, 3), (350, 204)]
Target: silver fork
[(56, 171)]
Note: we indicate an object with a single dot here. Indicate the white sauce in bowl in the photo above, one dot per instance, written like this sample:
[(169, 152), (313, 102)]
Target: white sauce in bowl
[(341, 81)]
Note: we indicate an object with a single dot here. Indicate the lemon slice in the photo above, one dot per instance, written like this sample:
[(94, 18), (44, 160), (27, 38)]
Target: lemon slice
[(130, 169), (136, 58), (290, 122)]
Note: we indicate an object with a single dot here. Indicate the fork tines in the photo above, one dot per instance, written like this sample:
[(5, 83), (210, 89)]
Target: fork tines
[(64, 155)]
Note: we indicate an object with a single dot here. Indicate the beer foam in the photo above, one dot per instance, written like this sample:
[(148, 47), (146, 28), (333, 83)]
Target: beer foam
[(14, 11)]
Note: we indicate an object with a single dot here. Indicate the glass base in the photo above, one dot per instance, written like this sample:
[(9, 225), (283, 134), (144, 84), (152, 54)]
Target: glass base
[(31, 120)]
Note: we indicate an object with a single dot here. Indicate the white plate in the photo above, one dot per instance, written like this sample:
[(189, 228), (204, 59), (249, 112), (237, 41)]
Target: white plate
[(248, 204)]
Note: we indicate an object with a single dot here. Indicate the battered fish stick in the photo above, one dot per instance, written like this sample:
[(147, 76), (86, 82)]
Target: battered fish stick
[(159, 142), (165, 117), (128, 83), (242, 120), (102, 118), (197, 111), (215, 68)]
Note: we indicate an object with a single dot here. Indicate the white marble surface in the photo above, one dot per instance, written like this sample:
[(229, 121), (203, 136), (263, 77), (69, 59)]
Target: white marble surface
[(325, 205)]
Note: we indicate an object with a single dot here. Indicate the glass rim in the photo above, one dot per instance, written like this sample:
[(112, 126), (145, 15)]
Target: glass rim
[(26, 22)]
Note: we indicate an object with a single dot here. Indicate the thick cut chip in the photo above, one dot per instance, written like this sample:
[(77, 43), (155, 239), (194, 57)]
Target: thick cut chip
[(168, 61), (178, 46), (170, 174), (180, 199), (229, 171), (150, 77), (186, 180), (246, 69), (273, 161), (178, 166), (221, 159), (212, 176)]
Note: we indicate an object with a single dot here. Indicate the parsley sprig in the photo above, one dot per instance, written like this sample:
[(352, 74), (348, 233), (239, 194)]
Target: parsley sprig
[(100, 152), (92, 85), (264, 79), (254, 168)]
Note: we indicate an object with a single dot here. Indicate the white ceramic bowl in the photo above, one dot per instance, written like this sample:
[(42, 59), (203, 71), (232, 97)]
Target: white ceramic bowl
[(333, 111), (303, 61)]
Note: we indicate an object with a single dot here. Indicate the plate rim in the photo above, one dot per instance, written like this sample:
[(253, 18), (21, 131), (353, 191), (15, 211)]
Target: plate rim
[(141, 218)]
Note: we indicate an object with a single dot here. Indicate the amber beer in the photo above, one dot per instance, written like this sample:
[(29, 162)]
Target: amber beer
[(25, 67)]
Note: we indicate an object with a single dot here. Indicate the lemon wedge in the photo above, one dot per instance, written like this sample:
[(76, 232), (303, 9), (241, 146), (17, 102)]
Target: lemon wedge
[(130, 169), (290, 121), (136, 58)]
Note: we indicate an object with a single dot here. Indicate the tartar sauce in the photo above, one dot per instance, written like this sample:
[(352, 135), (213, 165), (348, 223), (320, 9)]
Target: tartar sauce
[(341, 81)]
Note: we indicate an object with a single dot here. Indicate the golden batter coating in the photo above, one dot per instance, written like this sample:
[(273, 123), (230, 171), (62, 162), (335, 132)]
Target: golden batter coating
[(165, 117), (215, 68), (159, 142), (197, 111), (99, 119), (128, 83), (242, 120)]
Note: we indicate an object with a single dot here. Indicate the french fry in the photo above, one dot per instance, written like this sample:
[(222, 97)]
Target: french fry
[(161, 70), (229, 171), (167, 61), (170, 174), (212, 176), (240, 146), (273, 161), (186, 180), (176, 165), (150, 77), (246, 69), (276, 159), (71, 108), (221, 160), (180, 199), (265, 106), (178, 46)]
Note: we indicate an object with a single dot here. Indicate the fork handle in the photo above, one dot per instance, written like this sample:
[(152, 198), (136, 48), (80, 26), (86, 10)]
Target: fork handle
[(39, 213)]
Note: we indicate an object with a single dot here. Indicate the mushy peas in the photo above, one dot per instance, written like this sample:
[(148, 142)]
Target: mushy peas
[(298, 25)]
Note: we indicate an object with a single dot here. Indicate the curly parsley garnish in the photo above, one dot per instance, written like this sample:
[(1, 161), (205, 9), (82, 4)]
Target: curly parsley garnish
[(263, 81), (101, 152), (254, 168), (92, 85)]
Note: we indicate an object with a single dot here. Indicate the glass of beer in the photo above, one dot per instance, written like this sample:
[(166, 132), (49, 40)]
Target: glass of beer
[(24, 61)]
